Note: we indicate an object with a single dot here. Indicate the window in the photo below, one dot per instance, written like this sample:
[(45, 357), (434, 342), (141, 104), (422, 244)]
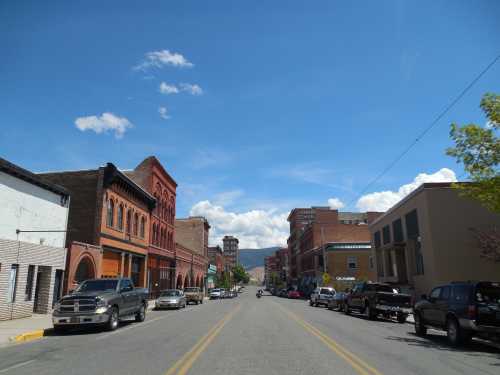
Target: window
[(143, 227), (352, 263), (411, 220), (376, 239), (419, 258), (120, 217), (436, 293), (126, 284), (11, 291), (386, 234), (397, 230), (460, 293), (136, 224), (110, 213), (129, 219), (445, 293), (29, 283)]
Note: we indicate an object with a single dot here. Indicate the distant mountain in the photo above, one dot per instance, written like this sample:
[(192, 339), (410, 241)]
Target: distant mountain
[(251, 258)]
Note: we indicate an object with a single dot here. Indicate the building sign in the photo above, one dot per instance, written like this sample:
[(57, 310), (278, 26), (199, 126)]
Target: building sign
[(345, 278), (349, 246), (212, 268)]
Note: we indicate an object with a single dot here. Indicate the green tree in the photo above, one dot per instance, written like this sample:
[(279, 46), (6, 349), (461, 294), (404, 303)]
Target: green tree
[(478, 149), (240, 275), (223, 281)]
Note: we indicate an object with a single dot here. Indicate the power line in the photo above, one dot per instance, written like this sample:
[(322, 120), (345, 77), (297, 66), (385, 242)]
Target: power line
[(427, 129)]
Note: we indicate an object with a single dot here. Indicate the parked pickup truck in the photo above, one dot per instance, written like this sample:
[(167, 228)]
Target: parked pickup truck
[(374, 299), (463, 310), (100, 302), (193, 294)]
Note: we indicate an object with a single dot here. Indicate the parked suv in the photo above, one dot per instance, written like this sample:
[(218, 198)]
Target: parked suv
[(462, 309), (321, 296), (373, 299)]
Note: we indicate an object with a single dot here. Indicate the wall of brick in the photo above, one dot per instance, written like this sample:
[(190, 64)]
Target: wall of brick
[(52, 258), (83, 188)]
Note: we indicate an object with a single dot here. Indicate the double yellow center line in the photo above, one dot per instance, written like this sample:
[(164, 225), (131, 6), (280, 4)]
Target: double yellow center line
[(360, 366), (182, 366)]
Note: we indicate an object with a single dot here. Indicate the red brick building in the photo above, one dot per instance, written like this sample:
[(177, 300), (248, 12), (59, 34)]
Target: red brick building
[(153, 177), (216, 257), (191, 251), (111, 213)]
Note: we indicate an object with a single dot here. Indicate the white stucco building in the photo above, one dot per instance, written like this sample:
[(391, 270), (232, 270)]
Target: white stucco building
[(33, 224)]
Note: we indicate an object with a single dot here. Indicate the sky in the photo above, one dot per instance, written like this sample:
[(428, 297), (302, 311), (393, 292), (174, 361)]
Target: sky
[(253, 107)]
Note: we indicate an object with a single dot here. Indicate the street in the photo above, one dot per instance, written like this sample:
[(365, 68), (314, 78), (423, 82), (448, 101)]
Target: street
[(247, 335)]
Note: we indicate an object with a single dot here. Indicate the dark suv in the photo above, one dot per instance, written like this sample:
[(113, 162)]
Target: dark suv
[(462, 309)]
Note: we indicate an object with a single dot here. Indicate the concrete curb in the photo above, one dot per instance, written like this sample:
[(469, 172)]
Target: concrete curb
[(29, 336)]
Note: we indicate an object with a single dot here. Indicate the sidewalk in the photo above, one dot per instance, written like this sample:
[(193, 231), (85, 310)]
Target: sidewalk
[(16, 327)]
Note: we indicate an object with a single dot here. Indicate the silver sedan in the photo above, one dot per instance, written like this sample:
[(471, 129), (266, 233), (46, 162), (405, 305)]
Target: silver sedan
[(171, 298)]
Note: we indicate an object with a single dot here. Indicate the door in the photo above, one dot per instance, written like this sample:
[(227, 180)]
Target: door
[(356, 297), (129, 297), (38, 284), (442, 305), (57, 286), (430, 310)]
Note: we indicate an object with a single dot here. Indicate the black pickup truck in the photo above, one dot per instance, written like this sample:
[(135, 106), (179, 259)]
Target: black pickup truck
[(374, 299), (100, 302)]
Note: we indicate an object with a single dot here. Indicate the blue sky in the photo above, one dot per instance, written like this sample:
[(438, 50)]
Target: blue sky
[(279, 104)]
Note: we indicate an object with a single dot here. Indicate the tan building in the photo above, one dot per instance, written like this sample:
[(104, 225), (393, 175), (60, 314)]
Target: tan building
[(192, 232), (231, 251), (426, 239)]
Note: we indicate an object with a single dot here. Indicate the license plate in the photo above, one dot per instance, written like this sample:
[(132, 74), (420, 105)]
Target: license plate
[(74, 319)]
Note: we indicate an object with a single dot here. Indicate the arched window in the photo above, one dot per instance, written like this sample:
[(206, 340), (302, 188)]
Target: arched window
[(120, 217), (136, 224), (143, 227), (129, 219), (110, 213)]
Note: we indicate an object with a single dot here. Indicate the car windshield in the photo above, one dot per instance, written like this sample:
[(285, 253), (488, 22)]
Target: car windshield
[(97, 285), (327, 291), (191, 290), (170, 293), (488, 294)]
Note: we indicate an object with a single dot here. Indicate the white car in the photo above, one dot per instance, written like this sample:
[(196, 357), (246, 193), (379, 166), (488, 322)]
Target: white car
[(216, 293)]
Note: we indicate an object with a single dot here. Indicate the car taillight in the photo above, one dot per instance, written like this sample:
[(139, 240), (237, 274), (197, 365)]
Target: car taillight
[(471, 312)]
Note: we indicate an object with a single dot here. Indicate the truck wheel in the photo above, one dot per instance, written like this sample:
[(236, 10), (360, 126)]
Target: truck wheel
[(420, 328), (453, 332), (310, 302), (113, 319), (201, 301), (402, 318), (141, 314)]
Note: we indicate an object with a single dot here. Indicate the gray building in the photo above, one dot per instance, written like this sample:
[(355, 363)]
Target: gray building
[(33, 222), (428, 239), (231, 251)]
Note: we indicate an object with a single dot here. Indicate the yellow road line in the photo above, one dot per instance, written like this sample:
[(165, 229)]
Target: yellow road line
[(188, 359), (357, 363)]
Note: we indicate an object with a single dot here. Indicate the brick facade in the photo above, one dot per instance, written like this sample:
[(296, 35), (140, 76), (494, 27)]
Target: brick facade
[(151, 175), (110, 211)]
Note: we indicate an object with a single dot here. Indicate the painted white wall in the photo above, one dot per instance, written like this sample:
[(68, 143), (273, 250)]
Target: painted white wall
[(28, 207)]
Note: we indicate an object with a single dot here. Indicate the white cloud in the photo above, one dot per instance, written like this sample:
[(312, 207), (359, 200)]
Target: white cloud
[(168, 89), (163, 113), (192, 89), (104, 123), (383, 200), (228, 197), (159, 59), (335, 203), (254, 229)]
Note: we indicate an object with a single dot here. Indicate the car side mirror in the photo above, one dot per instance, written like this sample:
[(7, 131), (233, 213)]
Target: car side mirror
[(423, 296), (71, 291)]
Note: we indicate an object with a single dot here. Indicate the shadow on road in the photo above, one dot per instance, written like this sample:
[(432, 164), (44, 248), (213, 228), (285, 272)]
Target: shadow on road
[(440, 342), (82, 331)]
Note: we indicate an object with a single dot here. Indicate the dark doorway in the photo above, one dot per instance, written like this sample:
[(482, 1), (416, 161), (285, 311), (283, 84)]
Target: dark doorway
[(57, 286)]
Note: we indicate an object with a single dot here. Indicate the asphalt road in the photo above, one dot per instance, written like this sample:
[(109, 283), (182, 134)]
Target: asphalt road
[(249, 336)]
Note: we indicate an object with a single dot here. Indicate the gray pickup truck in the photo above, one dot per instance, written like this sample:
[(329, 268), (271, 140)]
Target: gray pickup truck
[(101, 302)]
